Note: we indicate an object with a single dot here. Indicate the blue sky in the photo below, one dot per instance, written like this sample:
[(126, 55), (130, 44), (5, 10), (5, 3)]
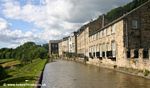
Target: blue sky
[(42, 20)]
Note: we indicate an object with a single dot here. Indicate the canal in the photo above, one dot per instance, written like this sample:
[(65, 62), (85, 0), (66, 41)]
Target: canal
[(68, 74)]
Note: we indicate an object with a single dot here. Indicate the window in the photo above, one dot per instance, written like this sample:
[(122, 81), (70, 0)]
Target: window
[(93, 37), (103, 50), (108, 31), (107, 46), (145, 53), (97, 48), (105, 32), (113, 47), (90, 39), (136, 53), (134, 24), (100, 34), (128, 54), (91, 49), (56, 46), (113, 28), (96, 36), (100, 50)]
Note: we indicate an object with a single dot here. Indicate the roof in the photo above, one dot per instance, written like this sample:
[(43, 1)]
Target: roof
[(120, 18), (82, 29), (54, 41)]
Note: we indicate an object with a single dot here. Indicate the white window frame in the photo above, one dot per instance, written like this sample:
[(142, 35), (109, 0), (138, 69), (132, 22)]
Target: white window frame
[(113, 28), (134, 24), (104, 32), (100, 34), (100, 50), (113, 48)]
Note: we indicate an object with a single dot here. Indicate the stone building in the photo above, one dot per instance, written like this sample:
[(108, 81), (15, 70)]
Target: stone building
[(53, 47), (64, 46), (117, 43), (72, 43), (113, 42), (85, 31), (82, 41)]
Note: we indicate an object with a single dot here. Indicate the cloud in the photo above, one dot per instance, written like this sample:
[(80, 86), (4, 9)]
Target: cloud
[(13, 38), (56, 18), (3, 24)]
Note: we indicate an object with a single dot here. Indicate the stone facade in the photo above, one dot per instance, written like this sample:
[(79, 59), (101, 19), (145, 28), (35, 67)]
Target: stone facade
[(60, 48), (120, 42), (130, 31), (82, 42), (72, 43), (64, 44), (138, 37), (53, 47)]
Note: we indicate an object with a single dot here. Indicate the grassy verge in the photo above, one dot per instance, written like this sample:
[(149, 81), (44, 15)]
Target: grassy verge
[(5, 60), (26, 74)]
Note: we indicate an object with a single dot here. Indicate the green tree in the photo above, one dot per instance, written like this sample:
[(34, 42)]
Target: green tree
[(26, 52), (3, 73)]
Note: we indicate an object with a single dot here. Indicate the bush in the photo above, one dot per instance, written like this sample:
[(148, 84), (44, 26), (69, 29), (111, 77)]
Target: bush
[(3, 73), (146, 72)]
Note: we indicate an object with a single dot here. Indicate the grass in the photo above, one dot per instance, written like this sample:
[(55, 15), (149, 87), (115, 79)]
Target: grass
[(24, 74), (5, 60), (10, 63)]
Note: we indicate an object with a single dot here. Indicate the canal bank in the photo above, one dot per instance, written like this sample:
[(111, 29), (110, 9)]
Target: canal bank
[(136, 72), (112, 66), (69, 74)]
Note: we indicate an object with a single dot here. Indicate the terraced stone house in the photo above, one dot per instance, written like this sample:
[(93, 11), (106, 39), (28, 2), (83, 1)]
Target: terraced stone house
[(53, 47), (124, 42), (63, 46), (123, 38)]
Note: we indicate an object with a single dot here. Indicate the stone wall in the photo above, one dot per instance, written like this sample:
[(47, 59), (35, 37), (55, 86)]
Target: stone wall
[(82, 42), (72, 43), (102, 41), (60, 48), (64, 46), (138, 37), (138, 59)]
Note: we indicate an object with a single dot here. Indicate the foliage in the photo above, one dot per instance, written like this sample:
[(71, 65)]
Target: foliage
[(70, 55), (118, 12), (3, 73), (30, 72), (5, 60), (146, 72), (26, 52)]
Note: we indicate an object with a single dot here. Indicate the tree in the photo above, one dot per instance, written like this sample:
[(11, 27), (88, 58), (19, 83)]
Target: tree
[(3, 73), (119, 11), (26, 52)]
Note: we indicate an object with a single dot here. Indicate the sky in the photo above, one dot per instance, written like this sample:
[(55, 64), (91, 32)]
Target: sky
[(43, 20)]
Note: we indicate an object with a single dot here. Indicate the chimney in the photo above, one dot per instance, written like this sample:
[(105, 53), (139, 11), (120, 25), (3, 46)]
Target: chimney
[(103, 20)]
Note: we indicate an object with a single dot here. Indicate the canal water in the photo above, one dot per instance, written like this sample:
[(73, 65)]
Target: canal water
[(68, 74)]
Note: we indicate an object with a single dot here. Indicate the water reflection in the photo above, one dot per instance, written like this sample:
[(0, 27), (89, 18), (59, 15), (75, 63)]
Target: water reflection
[(67, 74)]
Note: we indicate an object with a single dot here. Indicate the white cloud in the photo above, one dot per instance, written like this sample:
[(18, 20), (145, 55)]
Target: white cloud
[(3, 24), (57, 18), (13, 38)]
